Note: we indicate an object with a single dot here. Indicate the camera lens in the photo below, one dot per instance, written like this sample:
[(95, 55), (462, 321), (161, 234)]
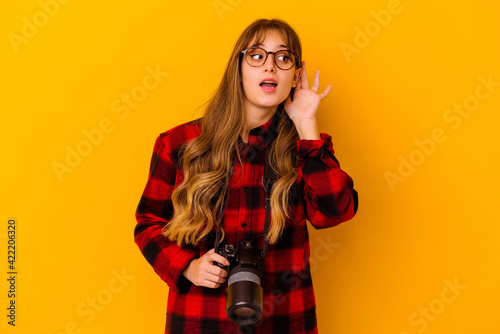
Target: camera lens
[(244, 312), (244, 296), (245, 309), (245, 315)]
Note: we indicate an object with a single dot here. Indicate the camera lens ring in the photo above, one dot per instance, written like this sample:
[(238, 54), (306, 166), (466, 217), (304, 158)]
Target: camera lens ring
[(243, 276)]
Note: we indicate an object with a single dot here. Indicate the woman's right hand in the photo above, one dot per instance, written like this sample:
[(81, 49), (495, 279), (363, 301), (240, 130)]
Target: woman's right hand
[(202, 271)]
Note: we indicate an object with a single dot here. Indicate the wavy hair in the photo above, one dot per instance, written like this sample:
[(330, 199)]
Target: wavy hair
[(206, 160)]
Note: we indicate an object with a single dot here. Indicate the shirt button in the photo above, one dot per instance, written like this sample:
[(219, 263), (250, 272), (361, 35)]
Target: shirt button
[(244, 225)]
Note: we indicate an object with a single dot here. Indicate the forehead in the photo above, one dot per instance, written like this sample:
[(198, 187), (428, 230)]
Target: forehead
[(270, 39)]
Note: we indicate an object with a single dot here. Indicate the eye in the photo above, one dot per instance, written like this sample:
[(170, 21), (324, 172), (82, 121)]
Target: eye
[(283, 57), (256, 55)]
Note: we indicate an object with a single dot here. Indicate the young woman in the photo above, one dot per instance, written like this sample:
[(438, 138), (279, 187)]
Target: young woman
[(209, 172)]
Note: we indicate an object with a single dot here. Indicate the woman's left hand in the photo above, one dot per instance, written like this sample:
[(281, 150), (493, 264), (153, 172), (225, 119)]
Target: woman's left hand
[(305, 100)]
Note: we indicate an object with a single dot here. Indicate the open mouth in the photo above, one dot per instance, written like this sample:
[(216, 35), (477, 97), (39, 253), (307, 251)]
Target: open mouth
[(268, 85)]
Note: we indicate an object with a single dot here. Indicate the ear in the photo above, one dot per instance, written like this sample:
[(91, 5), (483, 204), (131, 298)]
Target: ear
[(296, 77)]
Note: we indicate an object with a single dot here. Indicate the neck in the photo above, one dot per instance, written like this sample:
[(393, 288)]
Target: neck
[(254, 118)]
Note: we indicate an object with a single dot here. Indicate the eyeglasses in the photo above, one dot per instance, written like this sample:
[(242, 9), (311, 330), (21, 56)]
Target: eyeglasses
[(256, 57)]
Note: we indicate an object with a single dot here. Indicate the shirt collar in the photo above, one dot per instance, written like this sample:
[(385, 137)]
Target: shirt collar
[(260, 135)]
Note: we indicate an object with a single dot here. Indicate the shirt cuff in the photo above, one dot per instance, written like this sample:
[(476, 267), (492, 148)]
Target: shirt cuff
[(178, 263), (314, 147)]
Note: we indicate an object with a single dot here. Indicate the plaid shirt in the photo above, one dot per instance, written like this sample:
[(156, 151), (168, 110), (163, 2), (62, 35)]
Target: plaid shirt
[(324, 196)]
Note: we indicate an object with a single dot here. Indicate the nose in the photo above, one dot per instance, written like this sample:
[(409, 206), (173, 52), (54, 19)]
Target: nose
[(269, 65)]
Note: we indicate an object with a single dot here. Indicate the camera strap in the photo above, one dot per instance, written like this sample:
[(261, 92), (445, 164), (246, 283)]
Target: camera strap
[(224, 204), (267, 182)]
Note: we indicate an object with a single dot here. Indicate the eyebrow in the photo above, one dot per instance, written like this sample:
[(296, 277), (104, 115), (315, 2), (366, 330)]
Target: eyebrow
[(279, 46)]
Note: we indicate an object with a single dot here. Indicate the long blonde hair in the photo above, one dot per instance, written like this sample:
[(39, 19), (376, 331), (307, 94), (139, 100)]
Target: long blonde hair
[(207, 159)]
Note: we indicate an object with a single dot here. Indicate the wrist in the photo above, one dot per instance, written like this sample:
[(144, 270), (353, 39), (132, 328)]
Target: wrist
[(307, 128), (187, 270)]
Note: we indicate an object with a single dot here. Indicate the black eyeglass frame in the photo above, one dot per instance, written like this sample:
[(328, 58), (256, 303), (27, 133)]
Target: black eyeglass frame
[(244, 52)]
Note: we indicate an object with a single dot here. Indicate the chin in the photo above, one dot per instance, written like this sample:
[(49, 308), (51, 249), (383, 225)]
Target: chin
[(269, 104), (272, 100)]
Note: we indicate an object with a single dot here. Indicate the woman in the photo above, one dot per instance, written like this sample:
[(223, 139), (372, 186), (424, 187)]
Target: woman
[(208, 173)]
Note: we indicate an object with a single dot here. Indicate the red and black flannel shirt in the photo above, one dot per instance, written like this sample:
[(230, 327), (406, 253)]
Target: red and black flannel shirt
[(323, 194)]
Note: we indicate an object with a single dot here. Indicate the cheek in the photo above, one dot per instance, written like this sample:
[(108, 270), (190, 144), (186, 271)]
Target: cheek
[(287, 83)]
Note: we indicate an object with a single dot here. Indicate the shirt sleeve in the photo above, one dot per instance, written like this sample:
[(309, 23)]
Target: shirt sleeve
[(330, 198), (154, 211)]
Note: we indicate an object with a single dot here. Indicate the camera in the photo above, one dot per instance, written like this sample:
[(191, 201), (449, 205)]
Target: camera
[(244, 293)]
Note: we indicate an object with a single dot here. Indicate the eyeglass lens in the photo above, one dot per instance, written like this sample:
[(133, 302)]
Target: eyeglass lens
[(257, 56)]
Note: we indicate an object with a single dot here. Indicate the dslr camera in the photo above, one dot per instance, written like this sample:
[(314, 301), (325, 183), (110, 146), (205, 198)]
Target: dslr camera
[(244, 294)]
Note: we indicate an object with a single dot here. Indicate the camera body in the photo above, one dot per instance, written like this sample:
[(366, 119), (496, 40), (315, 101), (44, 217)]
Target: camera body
[(244, 294), (245, 254)]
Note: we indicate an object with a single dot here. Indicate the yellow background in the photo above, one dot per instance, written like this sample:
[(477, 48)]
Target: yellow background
[(386, 272)]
